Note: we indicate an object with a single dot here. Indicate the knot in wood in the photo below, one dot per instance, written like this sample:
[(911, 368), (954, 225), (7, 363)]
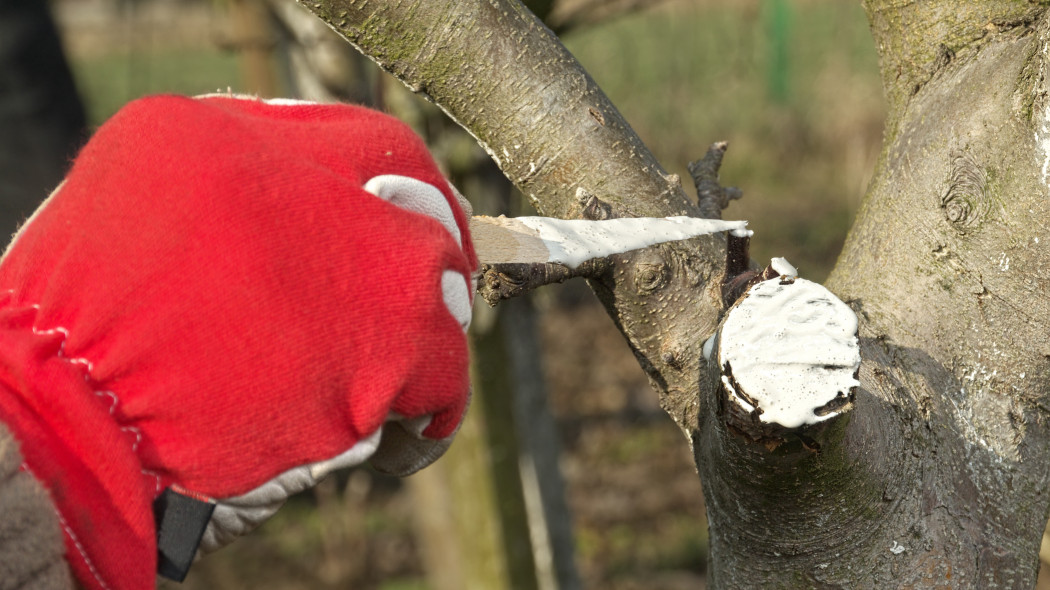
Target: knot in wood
[(651, 276), (966, 202)]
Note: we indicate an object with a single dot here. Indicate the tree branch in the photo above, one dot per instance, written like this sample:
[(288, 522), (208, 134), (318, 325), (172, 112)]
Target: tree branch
[(942, 266), (713, 197), (504, 76), (589, 12), (918, 39)]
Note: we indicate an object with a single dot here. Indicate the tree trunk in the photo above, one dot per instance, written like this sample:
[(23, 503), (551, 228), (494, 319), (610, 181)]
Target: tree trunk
[(947, 268), (253, 37), (935, 472)]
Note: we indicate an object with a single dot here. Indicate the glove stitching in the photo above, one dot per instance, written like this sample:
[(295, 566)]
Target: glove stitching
[(72, 536), (88, 367)]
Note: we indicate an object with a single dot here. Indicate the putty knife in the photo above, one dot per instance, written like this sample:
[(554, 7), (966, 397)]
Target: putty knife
[(501, 240)]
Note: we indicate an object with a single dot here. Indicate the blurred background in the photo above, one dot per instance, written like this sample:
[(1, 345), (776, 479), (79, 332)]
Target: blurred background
[(567, 474)]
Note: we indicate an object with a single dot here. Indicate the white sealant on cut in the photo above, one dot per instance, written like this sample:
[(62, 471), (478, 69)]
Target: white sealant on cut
[(783, 267), (709, 346), (792, 348), (1004, 262), (574, 241), (1042, 136)]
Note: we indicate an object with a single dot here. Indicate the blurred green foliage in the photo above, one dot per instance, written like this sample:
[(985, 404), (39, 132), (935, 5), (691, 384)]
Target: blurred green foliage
[(685, 79), (777, 15), (107, 82)]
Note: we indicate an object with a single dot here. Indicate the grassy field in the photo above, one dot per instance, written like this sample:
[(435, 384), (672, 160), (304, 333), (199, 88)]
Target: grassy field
[(796, 94)]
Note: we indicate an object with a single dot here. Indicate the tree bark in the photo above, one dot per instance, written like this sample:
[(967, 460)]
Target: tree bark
[(940, 478), (947, 267), (937, 477)]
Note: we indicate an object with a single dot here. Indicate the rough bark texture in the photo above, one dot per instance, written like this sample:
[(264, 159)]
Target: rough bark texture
[(940, 480), (947, 268), (938, 477)]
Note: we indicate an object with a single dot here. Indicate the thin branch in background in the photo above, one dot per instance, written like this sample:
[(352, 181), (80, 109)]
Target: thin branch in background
[(712, 196), (586, 13)]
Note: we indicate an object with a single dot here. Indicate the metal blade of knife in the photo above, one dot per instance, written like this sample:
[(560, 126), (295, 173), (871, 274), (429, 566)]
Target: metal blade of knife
[(501, 240)]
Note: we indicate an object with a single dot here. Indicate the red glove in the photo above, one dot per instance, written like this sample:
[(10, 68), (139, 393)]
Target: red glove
[(213, 302)]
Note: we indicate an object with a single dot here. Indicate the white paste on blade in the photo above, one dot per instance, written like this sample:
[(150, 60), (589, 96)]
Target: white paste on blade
[(574, 241), (792, 348)]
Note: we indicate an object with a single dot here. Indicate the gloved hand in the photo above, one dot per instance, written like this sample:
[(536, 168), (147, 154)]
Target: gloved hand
[(230, 298)]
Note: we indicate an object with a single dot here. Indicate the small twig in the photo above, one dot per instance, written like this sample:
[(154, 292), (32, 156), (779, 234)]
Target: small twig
[(497, 282), (595, 11), (712, 196)]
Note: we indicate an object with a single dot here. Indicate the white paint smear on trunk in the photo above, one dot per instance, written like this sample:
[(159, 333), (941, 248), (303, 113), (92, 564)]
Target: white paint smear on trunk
[(1042, 136)]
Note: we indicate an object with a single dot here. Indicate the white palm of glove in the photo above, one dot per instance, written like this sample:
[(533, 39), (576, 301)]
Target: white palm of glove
[(398, 447), (417, 196)]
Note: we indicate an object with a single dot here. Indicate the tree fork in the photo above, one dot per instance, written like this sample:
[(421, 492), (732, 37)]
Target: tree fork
[(953, 333)]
